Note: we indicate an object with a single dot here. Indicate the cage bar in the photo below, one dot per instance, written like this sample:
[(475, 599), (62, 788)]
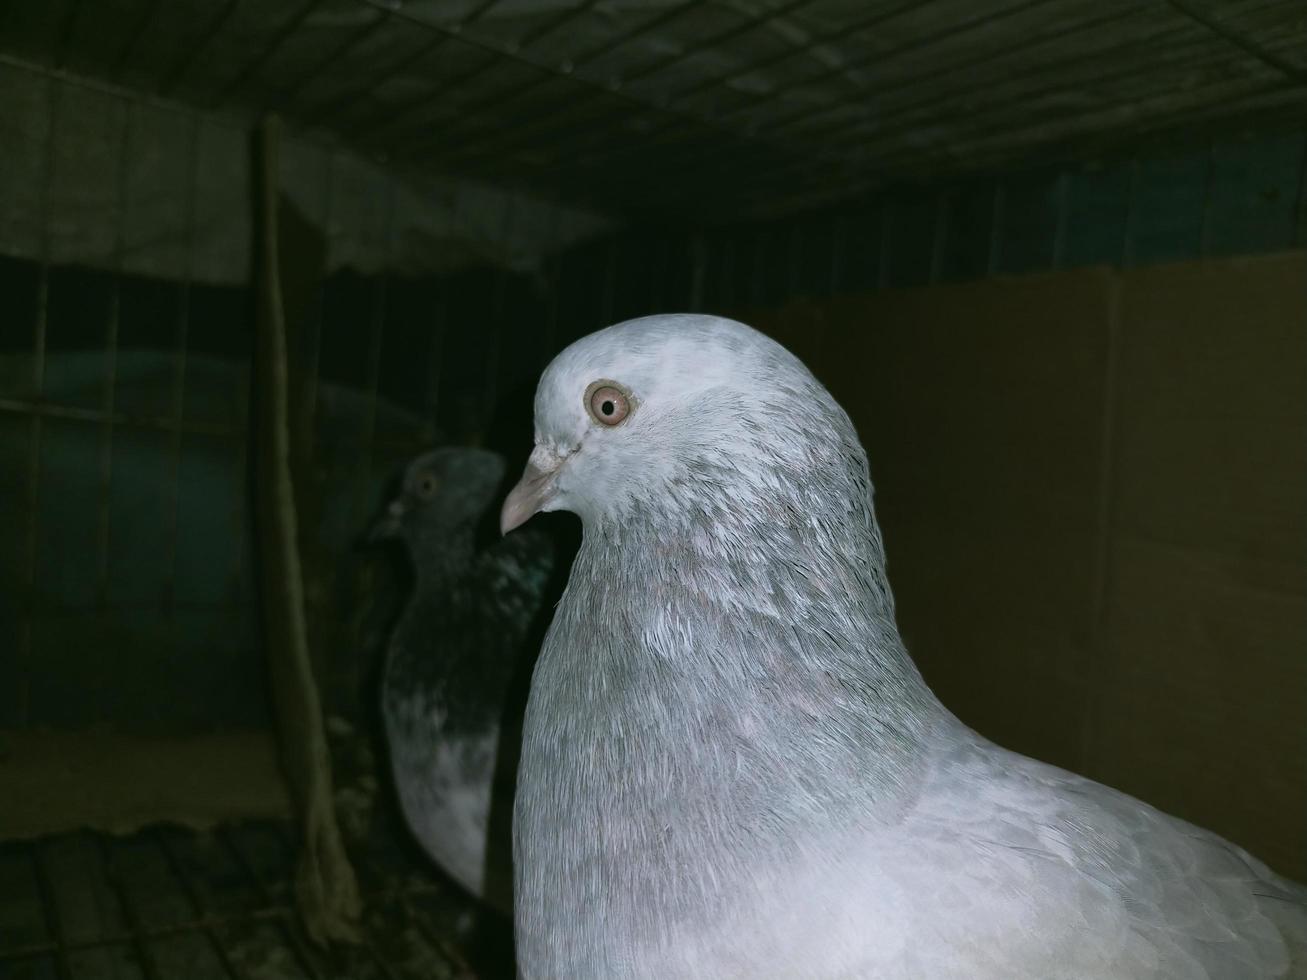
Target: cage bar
[(181, 335), (356, 37), (34, 427), (189, 56), (270, 48)]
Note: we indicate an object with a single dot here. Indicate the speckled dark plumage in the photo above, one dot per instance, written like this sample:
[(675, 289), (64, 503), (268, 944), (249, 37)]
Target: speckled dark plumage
[(468, 631)]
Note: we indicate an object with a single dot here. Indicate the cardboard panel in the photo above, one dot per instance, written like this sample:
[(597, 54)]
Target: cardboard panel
[(981, 408), (1093, 490), (1204, 677)]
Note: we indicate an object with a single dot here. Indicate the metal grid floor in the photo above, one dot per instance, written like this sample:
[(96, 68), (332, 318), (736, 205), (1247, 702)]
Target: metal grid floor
[(170, 903)]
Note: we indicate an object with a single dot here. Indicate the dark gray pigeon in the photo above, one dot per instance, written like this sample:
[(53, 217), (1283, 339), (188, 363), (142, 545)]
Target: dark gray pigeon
[(732, 768), (463, 636)]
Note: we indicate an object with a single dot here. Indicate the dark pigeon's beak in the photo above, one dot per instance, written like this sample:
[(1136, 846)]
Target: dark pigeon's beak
[(388, 525), (532, 492)]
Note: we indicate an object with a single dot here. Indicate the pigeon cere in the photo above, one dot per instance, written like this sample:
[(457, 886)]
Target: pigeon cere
[(730, 765), (653, 490)]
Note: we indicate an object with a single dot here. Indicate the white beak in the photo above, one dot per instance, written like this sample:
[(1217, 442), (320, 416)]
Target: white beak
[(533, 491)]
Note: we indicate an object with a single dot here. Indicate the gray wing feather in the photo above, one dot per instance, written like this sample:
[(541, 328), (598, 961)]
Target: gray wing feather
[(1164, 898)]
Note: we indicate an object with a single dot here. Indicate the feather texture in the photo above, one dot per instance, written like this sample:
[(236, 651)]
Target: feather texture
[(464, 634), (730, 765)]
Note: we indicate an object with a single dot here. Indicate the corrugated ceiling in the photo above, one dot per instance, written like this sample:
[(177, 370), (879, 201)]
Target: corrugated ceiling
[(704, 109)]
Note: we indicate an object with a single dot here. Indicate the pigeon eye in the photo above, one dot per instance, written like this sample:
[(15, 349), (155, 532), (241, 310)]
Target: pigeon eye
[(608, 404), (426, 487)]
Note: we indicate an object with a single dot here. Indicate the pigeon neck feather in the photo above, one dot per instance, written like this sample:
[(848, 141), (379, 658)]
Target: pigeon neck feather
[(714, 690)]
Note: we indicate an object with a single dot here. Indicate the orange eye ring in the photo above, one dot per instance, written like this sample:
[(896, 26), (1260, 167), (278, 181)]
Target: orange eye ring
[(607, 403)]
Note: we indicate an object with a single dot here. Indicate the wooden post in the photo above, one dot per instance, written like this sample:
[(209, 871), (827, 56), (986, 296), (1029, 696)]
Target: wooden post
[(325, 886)]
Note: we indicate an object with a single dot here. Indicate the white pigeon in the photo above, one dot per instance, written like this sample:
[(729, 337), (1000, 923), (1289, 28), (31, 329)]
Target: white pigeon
[(731, 767)]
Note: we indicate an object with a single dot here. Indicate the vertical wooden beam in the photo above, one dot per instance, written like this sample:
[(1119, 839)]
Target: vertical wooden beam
[(325, 886)]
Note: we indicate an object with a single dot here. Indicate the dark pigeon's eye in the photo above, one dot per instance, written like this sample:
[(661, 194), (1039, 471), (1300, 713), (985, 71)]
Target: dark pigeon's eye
[(426, 486), (607, 404)]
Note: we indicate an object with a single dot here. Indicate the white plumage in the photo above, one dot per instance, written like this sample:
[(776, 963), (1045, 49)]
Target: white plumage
[(731, 767)]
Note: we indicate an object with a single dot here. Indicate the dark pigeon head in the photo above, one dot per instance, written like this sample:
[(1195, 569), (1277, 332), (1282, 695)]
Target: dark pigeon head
[(441, 500)]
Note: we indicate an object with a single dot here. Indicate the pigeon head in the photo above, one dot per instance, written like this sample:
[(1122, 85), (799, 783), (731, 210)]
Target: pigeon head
[(442, 496), (668, 413)]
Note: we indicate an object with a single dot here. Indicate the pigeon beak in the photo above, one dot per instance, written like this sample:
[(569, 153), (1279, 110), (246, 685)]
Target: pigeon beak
[(388, 525), (532, 492)]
